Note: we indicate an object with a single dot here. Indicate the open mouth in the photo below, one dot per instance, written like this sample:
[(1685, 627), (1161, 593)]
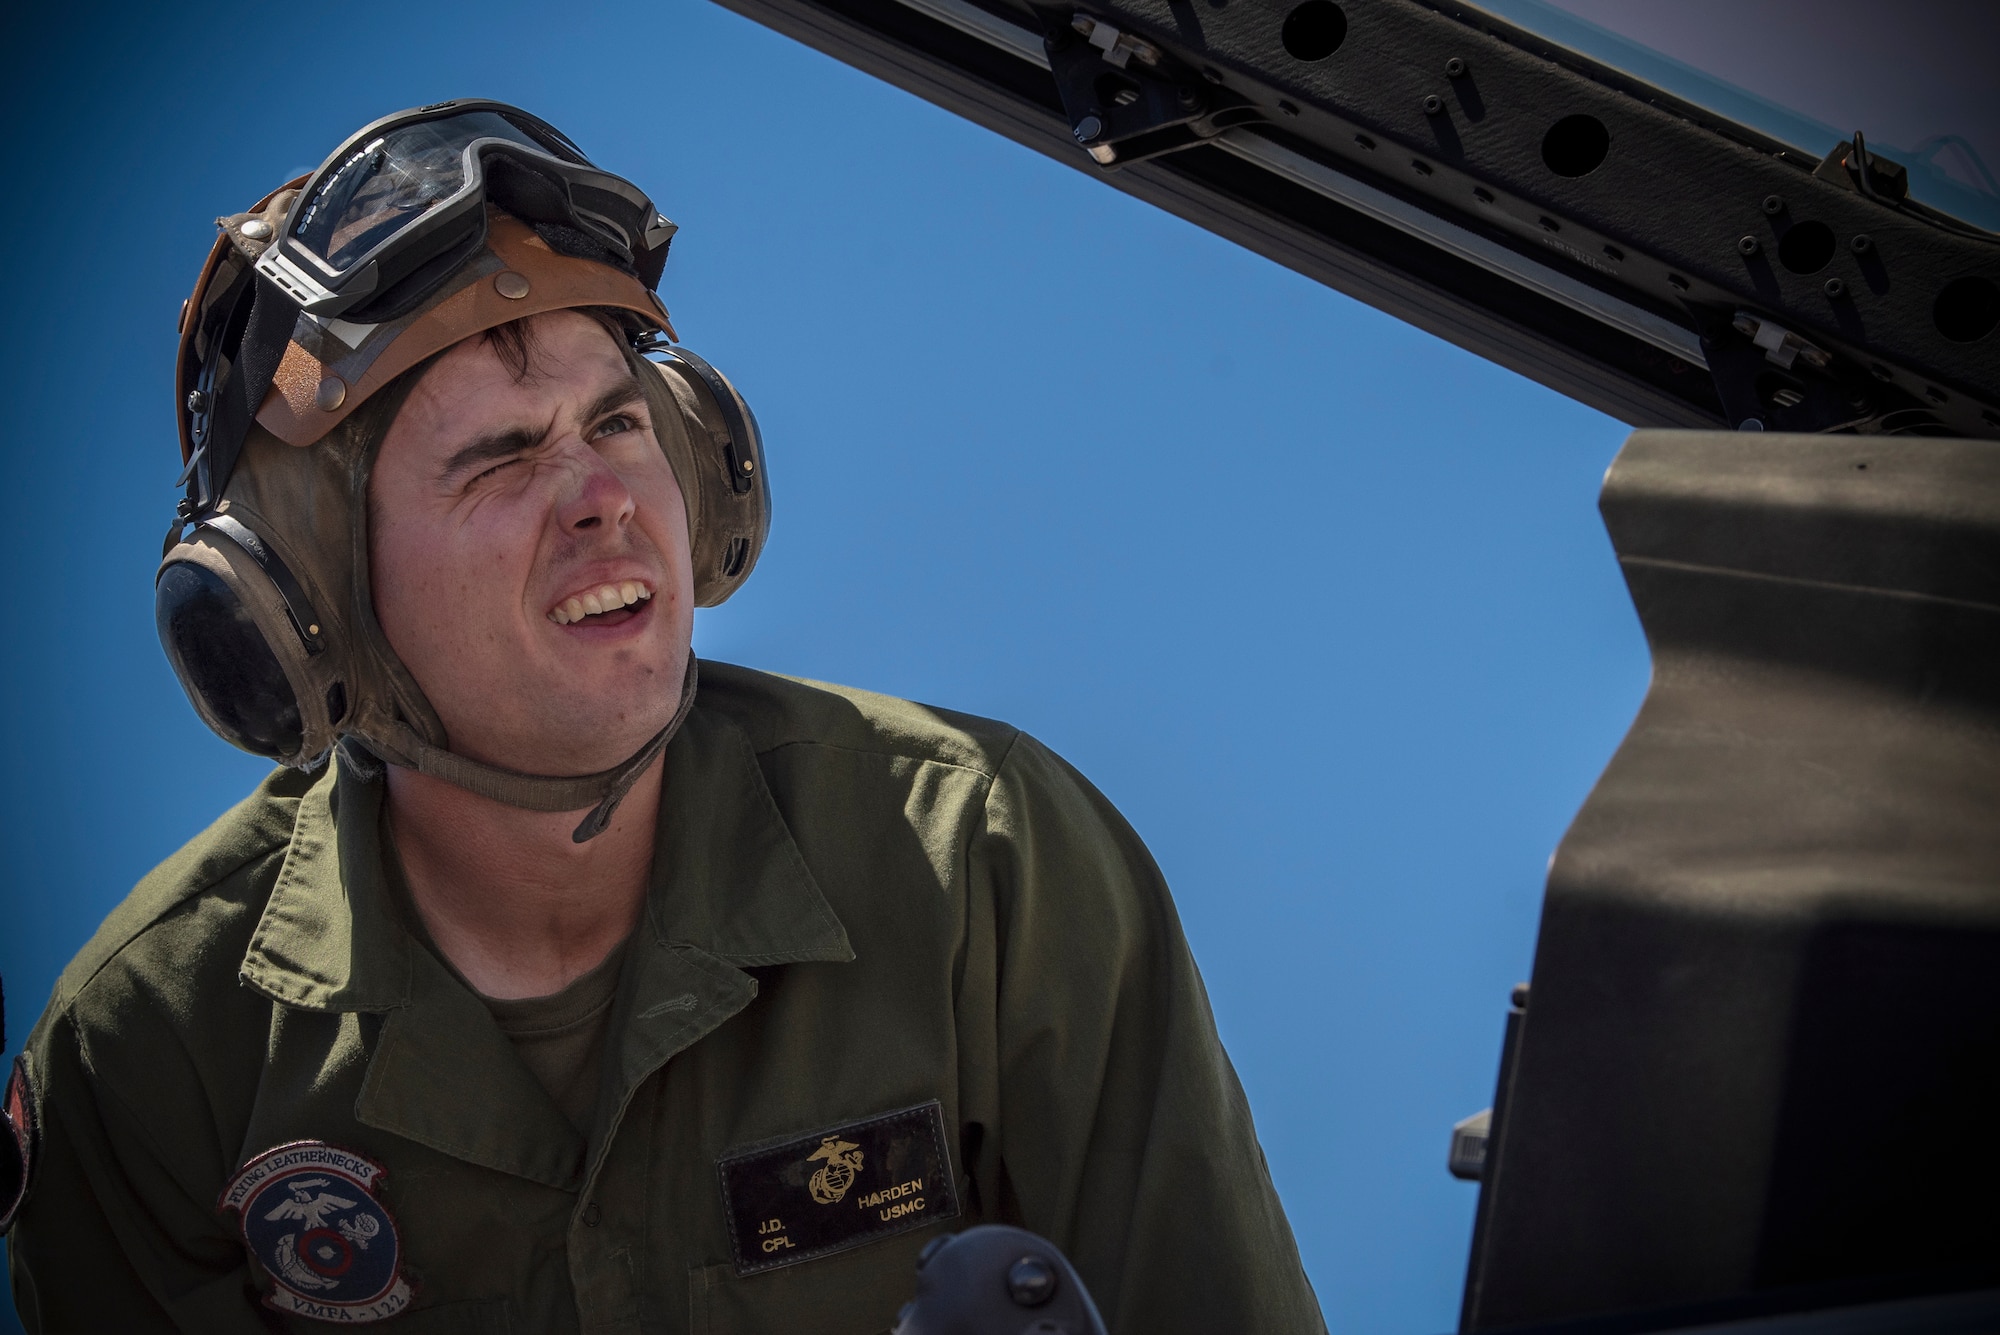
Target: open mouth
[(606, 605)]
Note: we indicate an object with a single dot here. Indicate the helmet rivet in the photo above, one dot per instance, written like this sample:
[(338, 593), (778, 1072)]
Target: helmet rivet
[(332, 392), (511, 285), (749, 465), (256, 229), (312, 630)]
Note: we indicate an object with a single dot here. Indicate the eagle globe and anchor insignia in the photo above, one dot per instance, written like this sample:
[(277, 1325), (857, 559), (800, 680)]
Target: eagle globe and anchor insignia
[(310, 1216), (836, 1175)]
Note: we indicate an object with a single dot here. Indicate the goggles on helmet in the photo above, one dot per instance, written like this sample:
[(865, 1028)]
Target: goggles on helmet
[(397, 207)]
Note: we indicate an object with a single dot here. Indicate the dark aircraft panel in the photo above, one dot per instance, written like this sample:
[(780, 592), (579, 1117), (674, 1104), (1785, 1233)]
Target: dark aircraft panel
[(1762, 1043), (1635, 251)]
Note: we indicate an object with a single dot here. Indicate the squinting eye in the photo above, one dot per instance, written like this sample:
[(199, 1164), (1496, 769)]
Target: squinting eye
[(612, 426), (495, 469)]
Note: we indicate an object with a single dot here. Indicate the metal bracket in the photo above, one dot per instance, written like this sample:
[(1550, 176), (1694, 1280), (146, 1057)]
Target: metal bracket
[(1126, 100), (1770, 378)]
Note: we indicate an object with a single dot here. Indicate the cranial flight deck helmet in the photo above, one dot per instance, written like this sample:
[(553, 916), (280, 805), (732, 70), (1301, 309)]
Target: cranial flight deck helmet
[(422, 229)]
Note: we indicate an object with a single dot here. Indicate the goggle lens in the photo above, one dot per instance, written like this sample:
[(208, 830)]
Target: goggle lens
[(385, 185)]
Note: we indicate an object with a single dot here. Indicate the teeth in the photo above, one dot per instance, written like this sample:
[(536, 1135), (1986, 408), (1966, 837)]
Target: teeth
[(604, 598)]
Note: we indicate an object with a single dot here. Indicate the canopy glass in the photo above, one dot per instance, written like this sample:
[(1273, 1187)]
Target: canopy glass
[(1917, 77)]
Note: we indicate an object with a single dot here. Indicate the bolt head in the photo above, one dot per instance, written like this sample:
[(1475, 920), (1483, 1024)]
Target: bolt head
[(1834, 287), (332, 392), (511, 285), (1773, 205), (1861, 243), (1031, 1281), (1087, 129), (1433, 105), (1747, 245), (1454, 68), (197, 401)]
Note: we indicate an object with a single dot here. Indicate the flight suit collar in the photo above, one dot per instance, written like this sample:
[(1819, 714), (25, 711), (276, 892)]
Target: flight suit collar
[(729, 890)]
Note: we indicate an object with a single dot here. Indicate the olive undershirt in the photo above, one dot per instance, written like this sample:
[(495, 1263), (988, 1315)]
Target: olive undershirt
[(559, 1037)]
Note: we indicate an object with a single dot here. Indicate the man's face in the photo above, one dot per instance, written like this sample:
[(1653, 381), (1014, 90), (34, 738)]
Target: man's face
[(502, 512)]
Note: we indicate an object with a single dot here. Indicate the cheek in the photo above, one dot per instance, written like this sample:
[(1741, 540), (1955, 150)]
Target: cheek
[(663, 513), (469, 563)]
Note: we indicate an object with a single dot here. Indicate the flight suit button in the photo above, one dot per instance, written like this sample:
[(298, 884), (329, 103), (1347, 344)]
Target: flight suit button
[(591, 1214)]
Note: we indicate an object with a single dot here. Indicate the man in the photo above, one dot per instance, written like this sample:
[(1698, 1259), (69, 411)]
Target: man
[(582, 988)]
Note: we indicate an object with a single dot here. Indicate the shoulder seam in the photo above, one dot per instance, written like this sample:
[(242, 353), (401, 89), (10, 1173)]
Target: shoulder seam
[(111, 956), (890, 753)]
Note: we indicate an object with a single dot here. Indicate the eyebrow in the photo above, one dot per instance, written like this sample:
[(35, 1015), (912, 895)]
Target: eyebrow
[(520, 439)]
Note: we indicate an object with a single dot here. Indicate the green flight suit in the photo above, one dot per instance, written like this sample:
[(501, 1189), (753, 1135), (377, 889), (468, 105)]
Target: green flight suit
[(858, 906)]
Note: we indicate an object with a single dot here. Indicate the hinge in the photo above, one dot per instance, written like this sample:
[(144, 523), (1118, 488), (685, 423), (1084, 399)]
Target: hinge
[(1126, 99)]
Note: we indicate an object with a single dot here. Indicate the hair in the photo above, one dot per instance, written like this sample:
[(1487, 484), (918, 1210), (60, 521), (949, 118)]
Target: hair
[(516, 345)]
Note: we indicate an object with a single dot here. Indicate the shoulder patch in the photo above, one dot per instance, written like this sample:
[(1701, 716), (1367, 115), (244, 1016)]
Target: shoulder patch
[(311, 1218), (19, 1143), (837, 1187)]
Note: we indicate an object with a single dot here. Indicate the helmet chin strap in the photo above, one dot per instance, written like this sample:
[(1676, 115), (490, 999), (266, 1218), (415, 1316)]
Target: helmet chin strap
[(601, 792)]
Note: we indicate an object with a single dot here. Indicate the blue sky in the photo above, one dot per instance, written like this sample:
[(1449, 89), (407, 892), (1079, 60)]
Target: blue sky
[(1321, 602)]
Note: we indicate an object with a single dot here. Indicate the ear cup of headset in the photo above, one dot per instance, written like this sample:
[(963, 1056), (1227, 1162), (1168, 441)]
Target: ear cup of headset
[(227, 628), (732, 503)]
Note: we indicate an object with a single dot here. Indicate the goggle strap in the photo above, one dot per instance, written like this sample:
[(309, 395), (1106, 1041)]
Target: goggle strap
[(272, 319)]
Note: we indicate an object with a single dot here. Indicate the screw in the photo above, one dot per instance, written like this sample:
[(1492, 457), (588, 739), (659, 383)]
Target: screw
[(1433, 105), (1031, 1281), (1834, 288), (1454, 68), (197, 401), (1088, 129), (1774, 205), (1747, 245), (1861, 243)]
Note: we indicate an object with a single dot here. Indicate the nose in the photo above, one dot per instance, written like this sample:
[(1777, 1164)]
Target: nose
[(596, 497)]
